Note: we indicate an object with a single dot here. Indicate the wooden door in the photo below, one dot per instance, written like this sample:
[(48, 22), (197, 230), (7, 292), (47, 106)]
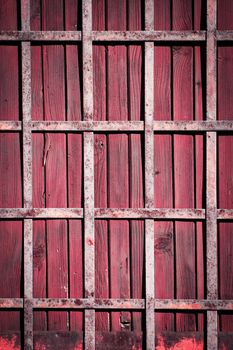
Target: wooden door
[(116, 174)]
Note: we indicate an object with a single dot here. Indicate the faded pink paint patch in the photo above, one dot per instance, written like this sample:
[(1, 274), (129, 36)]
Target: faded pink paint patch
[(184, 344), (9, 344)]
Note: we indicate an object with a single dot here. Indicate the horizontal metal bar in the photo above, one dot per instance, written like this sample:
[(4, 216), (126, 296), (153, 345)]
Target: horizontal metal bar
[(41, 213), (87, 126), (103, 35), (113, 213), (185, 126), (225, 35), (150, 213), (193, 125), (148, 35), (89, 303), (225, 214), (11, 303), (10, 125), (85, 303), (40, 36), (195, 304)]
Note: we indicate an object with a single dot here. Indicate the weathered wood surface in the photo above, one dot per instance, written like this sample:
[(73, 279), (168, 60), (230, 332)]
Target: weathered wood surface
[(11, 232), (118, 68), (225, 168)]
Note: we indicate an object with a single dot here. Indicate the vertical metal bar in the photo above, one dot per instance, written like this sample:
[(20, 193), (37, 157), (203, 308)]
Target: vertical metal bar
[(149, 176), (211, 185), (27, 177), (28, 286), (89, 255)]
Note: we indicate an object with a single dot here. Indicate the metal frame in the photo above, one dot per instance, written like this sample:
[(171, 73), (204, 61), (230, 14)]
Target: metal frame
[(211, 36)]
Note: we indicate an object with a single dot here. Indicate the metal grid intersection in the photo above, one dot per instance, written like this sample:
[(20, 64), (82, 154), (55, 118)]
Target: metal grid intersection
[(211, 36)]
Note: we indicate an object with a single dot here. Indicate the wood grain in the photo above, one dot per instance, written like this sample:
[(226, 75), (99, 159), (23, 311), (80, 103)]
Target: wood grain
[(118, 186), (102, 273), (225, 15), (10, 231), (225, 169), (199, 110), (184, 164), (164, 231)]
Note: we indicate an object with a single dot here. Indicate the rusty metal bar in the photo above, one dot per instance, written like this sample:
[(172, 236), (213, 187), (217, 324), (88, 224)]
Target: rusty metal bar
[(159, 126), (28, 285), (149, 177), (88, 303), (113, 213), (111, 304), (150, 213), (187, 126), (40, 36), (27, 136), (224, 35), (89, 237), (41, 213), (11, 303), (153, 35), (27, 177), (133, 304), (211, 169), (148, 35), (10, 126)]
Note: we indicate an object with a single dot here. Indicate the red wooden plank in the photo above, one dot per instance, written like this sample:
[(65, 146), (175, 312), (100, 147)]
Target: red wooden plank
[(225, 15), (11, 266), (162, 14), (182, 14), (35, 15), (73, 15), (119, 230), (75, 226), (199, 152), (53, 63), (8, 15), (164, 231), (225, 169), (118, 190), (39, 230), (101, 228), (39, 271), (100, 168), (74, 144), (184, 163), (56, 192), (10, 231), (9, 71), (164, 261), (56, 196), (136, 199)]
